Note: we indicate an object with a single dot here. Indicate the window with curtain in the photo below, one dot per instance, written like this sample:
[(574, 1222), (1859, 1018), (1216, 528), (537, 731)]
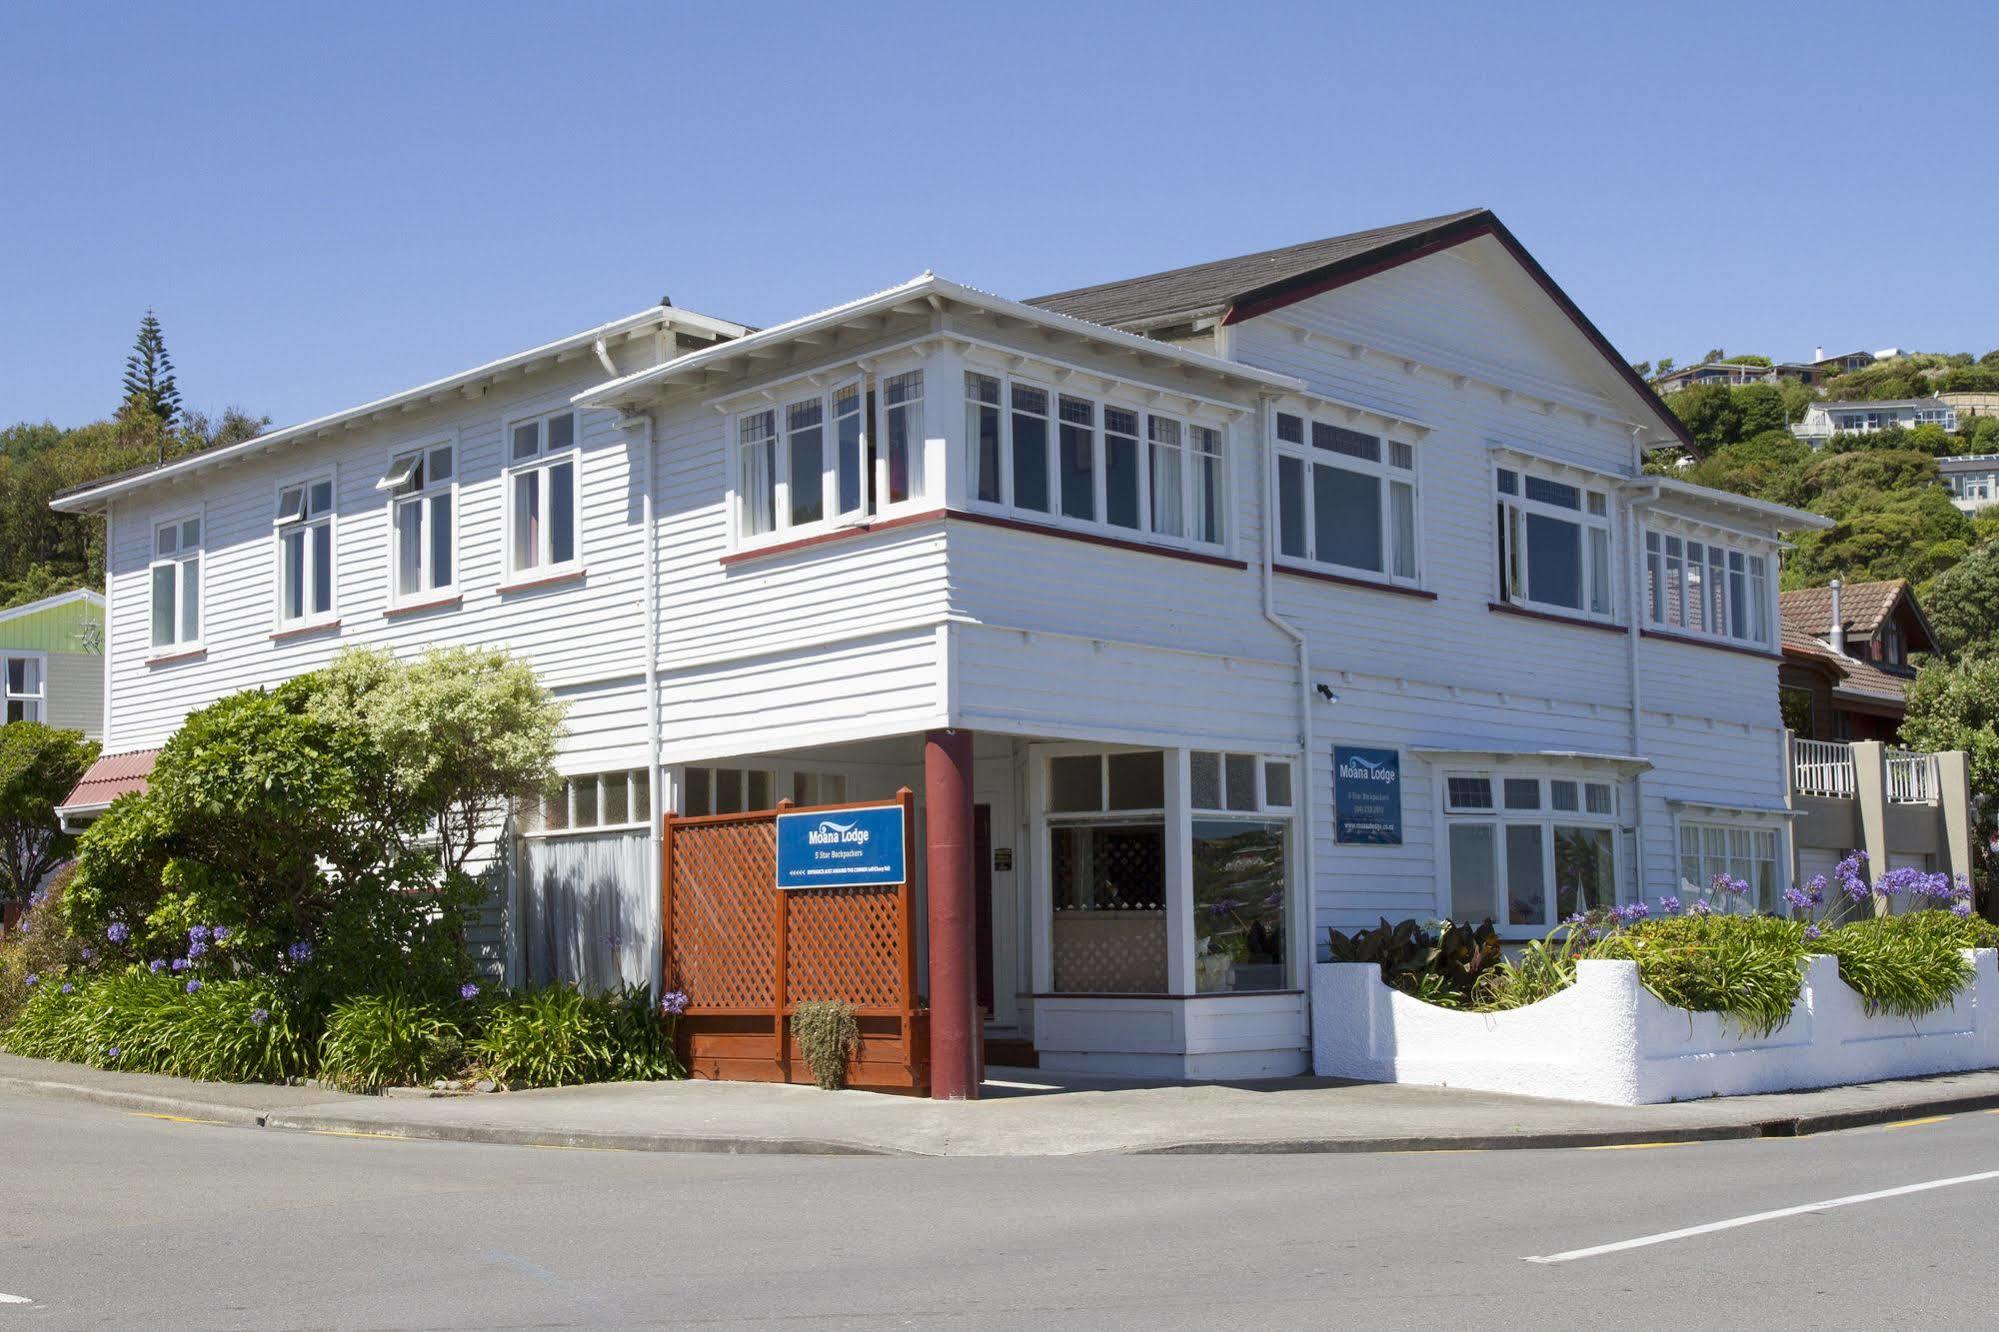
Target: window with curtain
[(1700, 586), (1527, 851), (423, 522), (542, 492), (175, 572), (1346, 499)]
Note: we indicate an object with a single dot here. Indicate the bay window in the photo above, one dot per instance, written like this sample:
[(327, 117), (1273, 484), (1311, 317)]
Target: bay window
[(1554, 545), (809, 461), (542, 494), (1041, 453), (175, 572), (304, 526), (1528, 850), (422, 523), (1699, 586), (22, 686), (1346, 499), (1740, 851)]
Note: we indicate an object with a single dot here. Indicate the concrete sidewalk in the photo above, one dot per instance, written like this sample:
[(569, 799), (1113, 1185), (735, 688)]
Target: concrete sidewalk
[(1025, 1113)]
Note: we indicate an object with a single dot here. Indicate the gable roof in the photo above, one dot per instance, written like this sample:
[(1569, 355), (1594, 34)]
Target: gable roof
[(1233, 290), (92, 494), (1862, 606)]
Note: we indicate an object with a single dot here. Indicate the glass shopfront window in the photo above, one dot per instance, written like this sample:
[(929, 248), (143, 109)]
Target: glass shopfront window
[(1107, 872), (1239, 904)]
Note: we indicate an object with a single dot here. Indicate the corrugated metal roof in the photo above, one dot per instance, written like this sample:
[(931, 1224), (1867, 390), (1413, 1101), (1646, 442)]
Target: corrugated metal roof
[(1199, 290), (111, 776)]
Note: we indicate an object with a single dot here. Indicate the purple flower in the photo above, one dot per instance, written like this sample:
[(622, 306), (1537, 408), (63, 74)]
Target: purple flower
[(197, 934), (89, 953), (259, 1016), (1813, 932), (1635, 912), (156, 966), (673, 1002), (181, 964), (1798, 898), (1962, 910), (67, 988), (468, 991), (1731, 887), (1223, 906), (195, 948), (1578, 918), (33, 980), (111, 1052), (1670, 905), (1700, 908), (1815, 889), (220, 934), (300, 951), (118, 932), (194, 987)]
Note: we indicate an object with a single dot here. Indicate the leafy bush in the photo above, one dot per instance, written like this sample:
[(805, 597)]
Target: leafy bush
[(39, 946), (1746, 968), (38, 766), (1903, 965), (555, 1036), (390, 1040), (1442, 968), (224, 1030), (828, 1034)]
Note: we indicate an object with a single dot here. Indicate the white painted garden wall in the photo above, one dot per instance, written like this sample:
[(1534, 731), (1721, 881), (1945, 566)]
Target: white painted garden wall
[(1607, 1039)]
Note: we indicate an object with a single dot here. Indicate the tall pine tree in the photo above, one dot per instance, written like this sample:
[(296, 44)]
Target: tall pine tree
[(149, 373)]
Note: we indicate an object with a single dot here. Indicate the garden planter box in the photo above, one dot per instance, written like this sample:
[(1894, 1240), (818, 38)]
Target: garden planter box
[(1607, 1039)]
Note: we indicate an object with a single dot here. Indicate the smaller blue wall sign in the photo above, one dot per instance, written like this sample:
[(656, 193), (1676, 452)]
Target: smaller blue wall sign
[(842, 848), (1367, 796)]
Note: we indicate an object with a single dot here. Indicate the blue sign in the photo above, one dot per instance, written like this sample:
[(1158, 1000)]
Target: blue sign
[(841, 848), (1367, 796)]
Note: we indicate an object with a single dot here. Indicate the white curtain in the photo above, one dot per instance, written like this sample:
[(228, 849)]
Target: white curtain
[(587, 914)]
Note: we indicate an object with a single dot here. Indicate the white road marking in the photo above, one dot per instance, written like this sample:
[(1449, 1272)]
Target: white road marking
[(1732, 1223), (15, 1299)]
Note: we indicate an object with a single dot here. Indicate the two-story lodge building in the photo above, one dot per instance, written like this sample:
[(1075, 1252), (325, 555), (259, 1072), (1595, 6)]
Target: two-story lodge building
[(1225, 605)]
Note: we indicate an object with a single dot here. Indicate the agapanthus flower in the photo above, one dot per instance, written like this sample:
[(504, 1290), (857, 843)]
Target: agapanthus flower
[(1577, 918), (33, 980), (194, 987), (118, 931), (1962, 910), (181, 964), (110, 1052), (1670, 905), (157, 965), (468, 991), (300, 951), (195, 948), (220, 934), (1798, 898), (1815, 889), (1700, 908), (89, 953), (67, 988), (197, 934), (1634, 912), (673, 1002), (1813, 932), (259, 1016)]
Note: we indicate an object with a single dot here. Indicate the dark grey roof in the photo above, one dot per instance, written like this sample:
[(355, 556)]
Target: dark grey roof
[(1200, 290)]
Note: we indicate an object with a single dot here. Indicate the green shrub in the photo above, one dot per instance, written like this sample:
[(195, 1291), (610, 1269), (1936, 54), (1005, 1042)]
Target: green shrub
[(1442, 968), (224, 1031), (1905, 966), (552, 1036), (390, 1040), (1749, 969), (39, 946), (1542, 968), (828, 1034), (641, 1038)]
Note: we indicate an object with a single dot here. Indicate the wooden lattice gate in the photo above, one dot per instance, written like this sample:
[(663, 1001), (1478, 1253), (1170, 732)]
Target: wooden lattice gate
[(747, 953)]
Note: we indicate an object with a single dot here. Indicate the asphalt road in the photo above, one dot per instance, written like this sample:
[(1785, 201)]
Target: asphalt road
[(113, 1219)]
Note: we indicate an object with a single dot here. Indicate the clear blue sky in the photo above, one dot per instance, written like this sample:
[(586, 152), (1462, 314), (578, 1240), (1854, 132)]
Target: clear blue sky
[(326, 203)]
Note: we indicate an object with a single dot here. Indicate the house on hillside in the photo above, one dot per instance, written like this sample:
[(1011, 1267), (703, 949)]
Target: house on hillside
[(1823, 420), (1855, 360), (52, 662), (1331, 572), (1972, 479), (1731, 374)]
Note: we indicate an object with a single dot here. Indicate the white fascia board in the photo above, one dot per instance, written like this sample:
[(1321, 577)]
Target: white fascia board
[(85, 500), (1781, 517), (927, 285), (59, 599), (1633, 762), (1709, 805)]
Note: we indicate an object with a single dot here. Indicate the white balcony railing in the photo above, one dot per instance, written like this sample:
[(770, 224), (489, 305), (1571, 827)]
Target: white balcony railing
[(1822, 768), (1912, 777)]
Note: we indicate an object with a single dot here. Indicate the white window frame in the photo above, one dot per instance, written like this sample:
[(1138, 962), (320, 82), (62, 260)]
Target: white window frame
[(310, 616), (1102, 402), (831, 516), (1309, 456), (180, 644), (398, 497), (638, 805), (35, 706), (1732, 829), (1544, 816), (1718, 590), (1505, 506), (541, 462)]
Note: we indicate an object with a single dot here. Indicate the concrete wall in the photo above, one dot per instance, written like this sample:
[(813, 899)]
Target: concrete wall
[(1607, 1039)]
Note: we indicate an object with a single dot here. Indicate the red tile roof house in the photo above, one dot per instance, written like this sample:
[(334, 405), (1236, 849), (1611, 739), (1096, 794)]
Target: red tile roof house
[(1327, 563)]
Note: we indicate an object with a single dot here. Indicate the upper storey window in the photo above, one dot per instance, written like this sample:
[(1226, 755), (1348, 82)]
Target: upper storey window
[(811, 460), (541, 493), (304, 525), (176, 578), (1081, 461), (422, 497), (1554, 545), (1703, 587), (1346, 499)]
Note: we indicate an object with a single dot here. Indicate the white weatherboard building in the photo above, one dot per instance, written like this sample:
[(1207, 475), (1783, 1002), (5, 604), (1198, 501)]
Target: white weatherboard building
[(1281, 593)]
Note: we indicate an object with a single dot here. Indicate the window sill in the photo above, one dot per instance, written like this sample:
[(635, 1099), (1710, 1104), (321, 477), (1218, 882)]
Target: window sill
[(1577, 621), (1354, 580), (848, 533), (184, 654), (1097, 538), (1716, 644), (555, 579), (291, 631), (452, 602)]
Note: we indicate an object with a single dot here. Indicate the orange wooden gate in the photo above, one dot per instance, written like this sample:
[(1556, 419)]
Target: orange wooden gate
[(747, 954)]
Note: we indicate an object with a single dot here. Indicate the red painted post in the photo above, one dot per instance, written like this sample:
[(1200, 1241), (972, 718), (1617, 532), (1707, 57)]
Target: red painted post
[(947, 795)]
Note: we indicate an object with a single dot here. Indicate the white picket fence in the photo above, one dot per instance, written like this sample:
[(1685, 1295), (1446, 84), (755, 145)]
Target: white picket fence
[(1912, 777), (1822, 768)]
